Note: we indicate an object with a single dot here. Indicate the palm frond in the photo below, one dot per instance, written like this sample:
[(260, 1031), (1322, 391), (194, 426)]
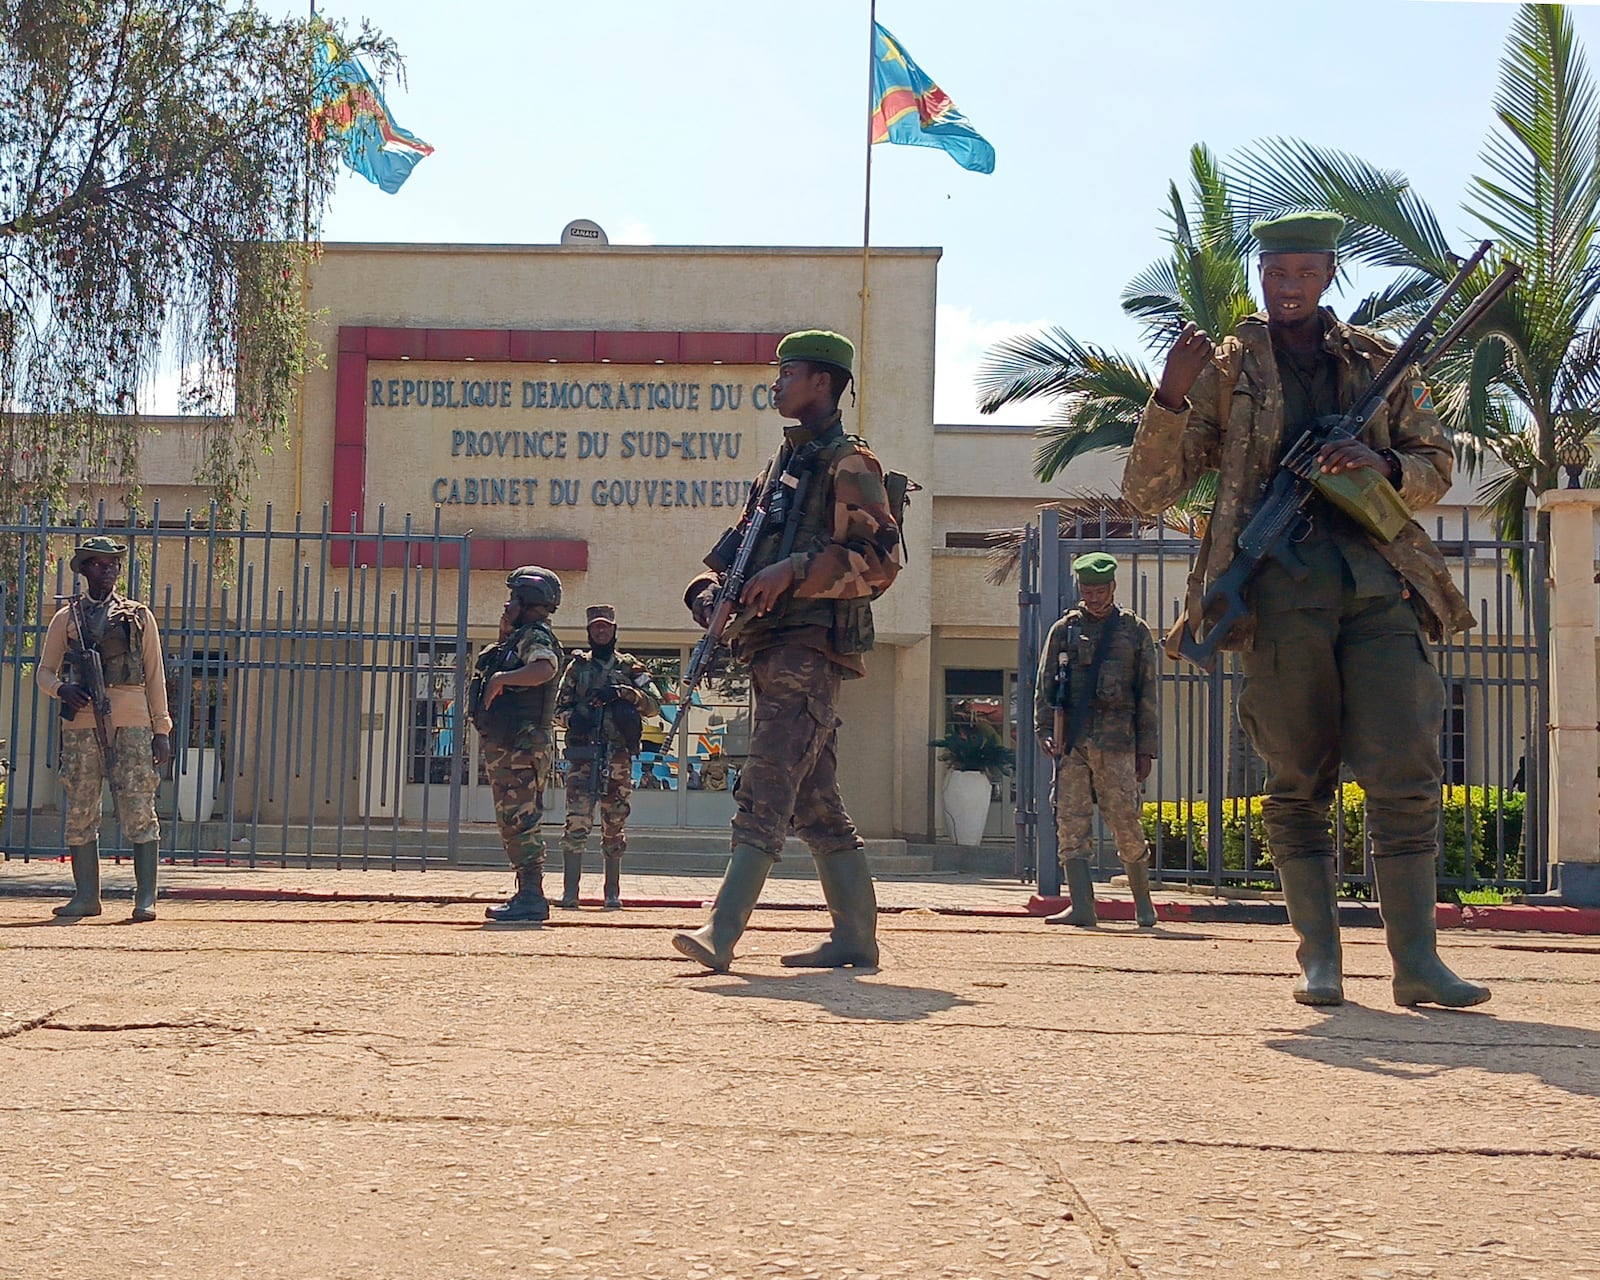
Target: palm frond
[(1389, 225), (1403, 299), (1053, 363)]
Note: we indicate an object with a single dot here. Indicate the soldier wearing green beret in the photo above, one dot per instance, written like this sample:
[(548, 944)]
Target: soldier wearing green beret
[(804, 626), (1336, 669), (104, 630), (1095, 713)]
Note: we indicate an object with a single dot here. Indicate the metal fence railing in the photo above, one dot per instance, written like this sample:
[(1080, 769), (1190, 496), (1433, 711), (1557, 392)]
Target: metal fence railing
[(301, 666), (1202, 801)]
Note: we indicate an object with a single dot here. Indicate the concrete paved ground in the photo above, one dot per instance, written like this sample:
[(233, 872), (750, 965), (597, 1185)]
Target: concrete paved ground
[(396, 1090)]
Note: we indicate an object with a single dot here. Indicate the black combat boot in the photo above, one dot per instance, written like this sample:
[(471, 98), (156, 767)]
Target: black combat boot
[(571, 876), (1311, 893), (613, 884), (1408, 898), (853, 903), (145, 858), (85, 900), (1080, 888), (527, 905), (712, 944)]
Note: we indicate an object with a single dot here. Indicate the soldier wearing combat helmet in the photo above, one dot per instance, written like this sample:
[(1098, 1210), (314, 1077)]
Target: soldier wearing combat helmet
[(1095, 711), (804, 625), (511, 702), (603, 697), (1336, 668), (104, 638)]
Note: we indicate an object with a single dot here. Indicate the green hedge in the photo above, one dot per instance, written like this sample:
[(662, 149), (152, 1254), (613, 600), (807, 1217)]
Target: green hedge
[(1492, 814)]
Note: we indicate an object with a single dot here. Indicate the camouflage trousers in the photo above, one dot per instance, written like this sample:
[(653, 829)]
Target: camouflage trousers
[(616, 787), (1085, 775), (792, 776), (133, 784), (517, 777)]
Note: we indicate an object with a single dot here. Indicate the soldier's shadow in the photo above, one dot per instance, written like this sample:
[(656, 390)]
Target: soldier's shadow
[(842, 993), (1424, 1042)]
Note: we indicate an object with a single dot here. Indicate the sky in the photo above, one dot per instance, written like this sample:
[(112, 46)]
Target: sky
[(743, 122)]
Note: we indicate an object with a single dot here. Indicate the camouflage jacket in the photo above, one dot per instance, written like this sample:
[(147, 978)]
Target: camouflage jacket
[(584, 675), (848, 550), (520, 715), (1125, 715), (1233, 424)]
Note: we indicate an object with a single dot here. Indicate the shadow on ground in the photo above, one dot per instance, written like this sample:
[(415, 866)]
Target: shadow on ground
[(1419, 1043), (842, 994)]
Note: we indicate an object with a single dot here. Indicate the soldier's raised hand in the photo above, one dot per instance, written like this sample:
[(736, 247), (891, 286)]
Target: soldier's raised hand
[(1185, 363)]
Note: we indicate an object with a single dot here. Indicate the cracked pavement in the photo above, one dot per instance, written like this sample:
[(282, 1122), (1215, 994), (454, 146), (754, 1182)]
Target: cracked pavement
[(397, 1090)]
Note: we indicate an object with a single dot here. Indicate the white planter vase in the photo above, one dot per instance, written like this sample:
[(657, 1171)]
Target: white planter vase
[(966, 805), (196, 780)]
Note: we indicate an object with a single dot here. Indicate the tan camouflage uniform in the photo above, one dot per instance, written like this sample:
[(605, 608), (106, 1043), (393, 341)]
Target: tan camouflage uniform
[(1124, 723), (137, 687), (519, 770), (796, 668), (581, 678), (1335, 665)]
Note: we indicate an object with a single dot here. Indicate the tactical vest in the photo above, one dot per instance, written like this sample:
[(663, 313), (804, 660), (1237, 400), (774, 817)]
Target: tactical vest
[(121, 645), (848, 622), (516, 711)]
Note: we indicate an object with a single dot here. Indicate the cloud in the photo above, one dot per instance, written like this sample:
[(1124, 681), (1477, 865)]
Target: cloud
[(960, 341)]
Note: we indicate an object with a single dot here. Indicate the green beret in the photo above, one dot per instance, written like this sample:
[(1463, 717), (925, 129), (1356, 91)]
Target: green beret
[(1299, 233), (1095, 567), (819, 346), (99, 545)]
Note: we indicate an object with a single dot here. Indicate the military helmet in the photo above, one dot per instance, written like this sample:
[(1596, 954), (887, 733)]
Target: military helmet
[(532, 585)]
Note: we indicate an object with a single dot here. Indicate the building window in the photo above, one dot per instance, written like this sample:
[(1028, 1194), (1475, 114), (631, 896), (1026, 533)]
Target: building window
[(435, 703), (1453, 736)]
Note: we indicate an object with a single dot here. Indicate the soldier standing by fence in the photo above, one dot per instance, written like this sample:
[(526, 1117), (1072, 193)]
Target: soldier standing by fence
[(102, 660), (1336, 666), (1095, 713), (602, 702), (511, 702)]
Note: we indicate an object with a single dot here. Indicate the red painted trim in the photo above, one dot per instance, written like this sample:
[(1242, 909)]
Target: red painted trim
[(636, 347), (360, 344), (573, 345), (553, 553)]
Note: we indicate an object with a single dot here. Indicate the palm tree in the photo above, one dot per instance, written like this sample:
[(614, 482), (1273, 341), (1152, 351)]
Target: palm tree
[(1527, 381), (1102, 391)]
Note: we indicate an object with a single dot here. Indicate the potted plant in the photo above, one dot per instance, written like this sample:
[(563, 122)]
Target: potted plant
[(978, 760)]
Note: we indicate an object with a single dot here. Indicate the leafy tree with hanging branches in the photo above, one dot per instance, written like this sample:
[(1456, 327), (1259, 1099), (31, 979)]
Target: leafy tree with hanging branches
[(159, 196)]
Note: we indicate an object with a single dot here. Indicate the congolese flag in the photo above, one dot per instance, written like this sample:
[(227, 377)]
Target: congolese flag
[(346, 103), (908, 107)]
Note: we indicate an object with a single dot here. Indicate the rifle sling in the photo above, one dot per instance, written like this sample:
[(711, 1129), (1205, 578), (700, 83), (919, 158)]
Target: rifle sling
[(1082, 705)]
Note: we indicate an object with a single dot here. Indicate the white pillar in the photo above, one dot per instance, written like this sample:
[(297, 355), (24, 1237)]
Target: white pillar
[(1574, 781)]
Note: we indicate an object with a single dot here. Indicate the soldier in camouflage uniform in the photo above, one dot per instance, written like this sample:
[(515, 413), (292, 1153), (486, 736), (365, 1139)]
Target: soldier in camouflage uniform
[(804, 626), (1335, 662), (1105, 704), (604, 695), (124, 634), (512, 703)]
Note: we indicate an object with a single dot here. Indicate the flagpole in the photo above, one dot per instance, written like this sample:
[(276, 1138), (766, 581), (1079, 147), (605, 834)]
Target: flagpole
[(866, 216)]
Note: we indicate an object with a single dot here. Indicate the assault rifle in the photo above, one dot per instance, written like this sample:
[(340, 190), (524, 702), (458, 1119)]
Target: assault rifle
[(1279, 522), (777, 504), (89, 674)]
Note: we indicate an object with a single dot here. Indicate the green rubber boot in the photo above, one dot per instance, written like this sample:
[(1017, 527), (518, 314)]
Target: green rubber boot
[(145, 860), (613, 884), (85, 900), (1311, 893), (1080, 889), (527, 905), (712, 945), (571, 876), (853, 903), (1408, 897), (1144, 910)]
